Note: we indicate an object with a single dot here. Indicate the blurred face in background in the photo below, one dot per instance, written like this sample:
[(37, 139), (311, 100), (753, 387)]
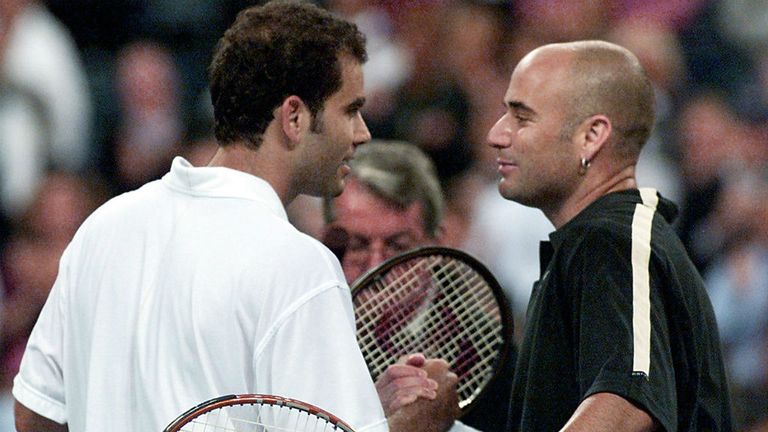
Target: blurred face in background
[(368, 229)]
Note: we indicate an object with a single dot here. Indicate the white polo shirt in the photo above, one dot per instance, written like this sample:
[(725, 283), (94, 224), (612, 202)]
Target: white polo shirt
[(193, 286)]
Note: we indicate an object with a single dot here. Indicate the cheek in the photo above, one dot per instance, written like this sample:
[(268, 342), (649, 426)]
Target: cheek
[(351, 271), (341, 136)]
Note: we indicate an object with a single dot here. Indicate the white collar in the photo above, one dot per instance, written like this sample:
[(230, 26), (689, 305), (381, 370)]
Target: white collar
[(221, 182)]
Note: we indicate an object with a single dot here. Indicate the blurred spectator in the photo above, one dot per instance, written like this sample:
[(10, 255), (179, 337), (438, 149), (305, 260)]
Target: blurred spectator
[(471, 47), (24, 149), (660, 52), (706, 131), (738, 286), (192, 28), (714, 61), (538, 22), (745, 23), (388, 63), (30, 260), (38, 55), (430, 109), (713, 141), (101, 29), (150, 125), (672, 14)]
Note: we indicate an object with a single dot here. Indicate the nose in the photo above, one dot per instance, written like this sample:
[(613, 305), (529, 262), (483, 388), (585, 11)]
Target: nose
[(378, 252), (362, 134), (500, 134)]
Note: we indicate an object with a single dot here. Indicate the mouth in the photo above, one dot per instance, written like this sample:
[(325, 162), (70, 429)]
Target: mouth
[(344, 167), (504, 165)]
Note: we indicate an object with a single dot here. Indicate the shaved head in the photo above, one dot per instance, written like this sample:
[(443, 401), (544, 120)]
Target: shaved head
[(607, 79)]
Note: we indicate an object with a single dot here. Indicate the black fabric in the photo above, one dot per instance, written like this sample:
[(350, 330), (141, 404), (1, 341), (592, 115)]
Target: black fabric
[(579, 333), (489, 412)]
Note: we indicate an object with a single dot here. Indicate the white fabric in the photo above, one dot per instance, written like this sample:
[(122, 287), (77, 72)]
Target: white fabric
[(505, 235), (192, 287), (23, 151), (461, 427), (42, 57)]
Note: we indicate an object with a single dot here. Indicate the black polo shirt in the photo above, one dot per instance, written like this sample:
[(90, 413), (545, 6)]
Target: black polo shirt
[(620, 308)]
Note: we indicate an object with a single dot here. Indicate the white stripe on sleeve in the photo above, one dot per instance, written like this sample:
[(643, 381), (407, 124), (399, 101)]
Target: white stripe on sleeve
[(641, 289)]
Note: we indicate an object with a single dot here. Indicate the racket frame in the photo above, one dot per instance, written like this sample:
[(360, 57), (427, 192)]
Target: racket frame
[(254, 399), (507, 333)]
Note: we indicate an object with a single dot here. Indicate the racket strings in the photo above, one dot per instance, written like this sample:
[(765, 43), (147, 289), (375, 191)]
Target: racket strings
[(446, 303), (391, 290), (392, 310), (464, 308), (397, 313), (469, 366), (458, 305)]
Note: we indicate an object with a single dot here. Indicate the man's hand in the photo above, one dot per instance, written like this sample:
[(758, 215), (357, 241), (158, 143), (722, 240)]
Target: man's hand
[(404, 382), (421, 414)]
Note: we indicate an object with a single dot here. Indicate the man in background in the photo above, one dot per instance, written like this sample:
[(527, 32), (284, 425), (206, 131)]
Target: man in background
[(392, 203)]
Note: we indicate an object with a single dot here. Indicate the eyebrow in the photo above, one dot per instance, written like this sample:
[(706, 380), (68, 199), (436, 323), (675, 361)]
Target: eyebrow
[(397, 236), (356, 104), (519, 107)]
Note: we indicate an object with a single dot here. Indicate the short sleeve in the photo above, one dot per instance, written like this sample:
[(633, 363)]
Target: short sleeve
[(622, 342), (39, 384)]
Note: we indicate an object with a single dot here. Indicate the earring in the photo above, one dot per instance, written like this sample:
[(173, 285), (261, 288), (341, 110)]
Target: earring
[(584, 165)]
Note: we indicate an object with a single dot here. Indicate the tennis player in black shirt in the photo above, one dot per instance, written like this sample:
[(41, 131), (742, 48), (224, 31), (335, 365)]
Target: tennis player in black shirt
[(620, 335)]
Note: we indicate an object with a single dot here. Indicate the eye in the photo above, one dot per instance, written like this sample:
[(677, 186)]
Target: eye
[(354, 108), (357, 244), (521, 119), (399, 245)]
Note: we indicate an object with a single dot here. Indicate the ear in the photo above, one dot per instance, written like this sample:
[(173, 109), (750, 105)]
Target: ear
[(293, 115), (594, 134)]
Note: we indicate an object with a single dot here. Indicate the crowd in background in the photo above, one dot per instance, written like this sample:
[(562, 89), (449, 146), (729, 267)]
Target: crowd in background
[(96, 98)]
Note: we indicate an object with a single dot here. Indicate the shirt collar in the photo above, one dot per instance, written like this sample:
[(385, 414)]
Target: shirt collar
[(614, 200), (221, 182)]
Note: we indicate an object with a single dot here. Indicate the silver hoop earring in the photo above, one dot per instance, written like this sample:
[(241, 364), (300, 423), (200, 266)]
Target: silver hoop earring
[(584, 166)]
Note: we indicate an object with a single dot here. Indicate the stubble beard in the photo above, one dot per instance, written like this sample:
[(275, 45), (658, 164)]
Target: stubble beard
[(535, 197)]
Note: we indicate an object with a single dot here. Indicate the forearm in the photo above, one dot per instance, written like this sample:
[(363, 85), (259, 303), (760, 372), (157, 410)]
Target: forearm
[(29, 421), (416, 418), (607, 412)]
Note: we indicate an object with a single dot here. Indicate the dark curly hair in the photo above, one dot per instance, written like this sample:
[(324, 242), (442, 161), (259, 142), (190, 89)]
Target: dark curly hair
[(273, 51)]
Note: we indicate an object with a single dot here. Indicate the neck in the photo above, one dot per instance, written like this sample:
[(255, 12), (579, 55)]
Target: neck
[(589, 191), (259, 163)]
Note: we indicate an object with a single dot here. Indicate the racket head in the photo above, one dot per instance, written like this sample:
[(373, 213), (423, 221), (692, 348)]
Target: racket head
[(441, 302), (256, 413)]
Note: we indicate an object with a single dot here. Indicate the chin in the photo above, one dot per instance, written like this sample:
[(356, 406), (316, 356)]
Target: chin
[(335, 190), (505, 191), (512, 195)]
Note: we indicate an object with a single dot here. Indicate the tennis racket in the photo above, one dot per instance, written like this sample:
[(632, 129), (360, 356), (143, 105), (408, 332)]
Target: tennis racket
[(256, 413), (438, 301)]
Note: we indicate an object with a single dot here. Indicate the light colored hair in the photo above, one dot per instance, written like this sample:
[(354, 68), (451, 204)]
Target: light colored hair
[(401, 174)]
